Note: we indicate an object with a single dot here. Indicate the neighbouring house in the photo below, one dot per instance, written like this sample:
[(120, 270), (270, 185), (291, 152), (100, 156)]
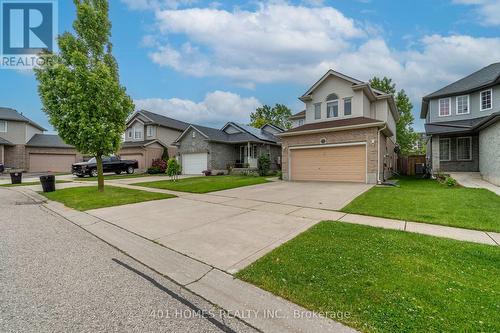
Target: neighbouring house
[(23, 145), (147, 135), (349, 133), (234, 145), (463, 127), (298, 119)]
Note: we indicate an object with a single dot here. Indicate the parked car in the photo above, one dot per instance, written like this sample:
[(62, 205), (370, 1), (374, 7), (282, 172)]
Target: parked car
[(109, 164), (2, 168)]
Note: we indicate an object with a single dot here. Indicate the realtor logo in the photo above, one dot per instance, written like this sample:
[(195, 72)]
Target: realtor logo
[(28, 28)]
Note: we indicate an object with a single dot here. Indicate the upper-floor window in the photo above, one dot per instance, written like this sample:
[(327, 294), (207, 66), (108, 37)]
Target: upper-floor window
[(317, 111), (301, 122), (444, 149), (137, 133), (193, 134), (149, 130), (347, 106), (444, 107), (332, 109), (130, 134), (463, 104), (486, 100), (3, 126)]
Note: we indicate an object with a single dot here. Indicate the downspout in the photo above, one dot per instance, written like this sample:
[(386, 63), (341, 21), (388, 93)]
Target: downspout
[(378, 153)]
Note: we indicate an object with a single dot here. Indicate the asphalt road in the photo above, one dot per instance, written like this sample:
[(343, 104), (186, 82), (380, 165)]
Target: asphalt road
[(56, 277)]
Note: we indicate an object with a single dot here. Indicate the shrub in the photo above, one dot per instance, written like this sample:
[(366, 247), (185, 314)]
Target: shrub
[(154, 171), (263, 164), (207, 172), (160, 165), (279, 174), (450, 181), (173, 169), (165, 156)]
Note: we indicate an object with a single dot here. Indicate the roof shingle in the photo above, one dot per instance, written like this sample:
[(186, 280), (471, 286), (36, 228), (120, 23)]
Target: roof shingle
[(47, 140), (333, 124), (14, 115)]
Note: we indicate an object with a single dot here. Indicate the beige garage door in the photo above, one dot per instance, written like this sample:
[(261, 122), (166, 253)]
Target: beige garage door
[(138, 157), (51, 162), (346, 164)]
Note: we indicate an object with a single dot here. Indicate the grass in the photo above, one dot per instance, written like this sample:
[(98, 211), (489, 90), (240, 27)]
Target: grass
[(33, 183), (378, 280), (86, 198), (123, 176), (205, 184), (426, 200)]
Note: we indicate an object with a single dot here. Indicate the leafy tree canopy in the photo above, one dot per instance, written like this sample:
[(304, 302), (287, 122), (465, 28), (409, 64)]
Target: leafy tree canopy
[(80, 88), (277, 115), (405, 135)]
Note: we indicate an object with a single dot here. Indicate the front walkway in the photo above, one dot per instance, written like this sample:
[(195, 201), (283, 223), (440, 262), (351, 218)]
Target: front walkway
[(474, 180)]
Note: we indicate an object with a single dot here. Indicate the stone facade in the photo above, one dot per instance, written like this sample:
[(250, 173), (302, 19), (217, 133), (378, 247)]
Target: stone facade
[(489, 153), (367, 135)]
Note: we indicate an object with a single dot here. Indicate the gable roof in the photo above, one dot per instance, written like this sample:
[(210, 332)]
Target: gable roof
[(155, 118), (372, 93), (248, 134), (14, 115), (4, 142), (298, 115), (145, 143), (481, 79), (47, 140)]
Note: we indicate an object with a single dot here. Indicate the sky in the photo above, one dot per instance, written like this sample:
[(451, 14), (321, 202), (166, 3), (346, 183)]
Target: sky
[(209, 62)]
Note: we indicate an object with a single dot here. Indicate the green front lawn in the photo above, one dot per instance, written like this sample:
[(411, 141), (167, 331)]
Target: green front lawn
[(378, 280), (205, 184), (426, 200), (34, 183), (122, 176), (86, 198)]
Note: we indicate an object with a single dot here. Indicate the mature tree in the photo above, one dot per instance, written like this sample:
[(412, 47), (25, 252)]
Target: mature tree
[(277, 115), (80, 87), (405, 135)]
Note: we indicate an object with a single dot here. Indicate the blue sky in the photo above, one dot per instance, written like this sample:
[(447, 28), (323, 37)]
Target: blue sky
[(209, 62)]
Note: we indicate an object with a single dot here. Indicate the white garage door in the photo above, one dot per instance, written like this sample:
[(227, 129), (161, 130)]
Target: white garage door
[(51, 162), (194, 164)]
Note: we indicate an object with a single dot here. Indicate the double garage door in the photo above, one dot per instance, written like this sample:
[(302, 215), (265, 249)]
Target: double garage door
[(194, 164), (51, 162), (340, 163)]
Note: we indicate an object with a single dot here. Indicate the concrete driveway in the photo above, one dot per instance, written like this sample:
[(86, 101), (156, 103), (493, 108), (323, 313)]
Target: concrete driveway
[(231, 229), (322, 195)]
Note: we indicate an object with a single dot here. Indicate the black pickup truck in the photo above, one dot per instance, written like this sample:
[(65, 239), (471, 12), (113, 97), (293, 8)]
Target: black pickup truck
[(109, 164)]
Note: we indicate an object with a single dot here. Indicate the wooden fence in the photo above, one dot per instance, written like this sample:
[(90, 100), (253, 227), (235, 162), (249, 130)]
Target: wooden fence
[(411, 165)]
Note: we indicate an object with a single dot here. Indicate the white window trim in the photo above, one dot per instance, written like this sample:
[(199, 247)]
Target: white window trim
[(5, 122), (449, 149), (137, 131), (338, 108), (481, 100), (149, 131), (456, 105), (348, 98), (470, 149), (449, 107), (130, 134)]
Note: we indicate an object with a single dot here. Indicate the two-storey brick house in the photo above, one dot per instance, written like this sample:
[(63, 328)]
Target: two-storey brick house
[(462, 124), (148, 134), (346, 133)]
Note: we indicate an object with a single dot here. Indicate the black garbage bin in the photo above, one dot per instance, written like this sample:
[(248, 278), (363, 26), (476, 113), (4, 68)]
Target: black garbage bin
[(16, 177), (48, 183)]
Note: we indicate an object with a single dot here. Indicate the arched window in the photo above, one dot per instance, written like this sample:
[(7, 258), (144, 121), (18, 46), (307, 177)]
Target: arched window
[(332, 106), (332, 97)]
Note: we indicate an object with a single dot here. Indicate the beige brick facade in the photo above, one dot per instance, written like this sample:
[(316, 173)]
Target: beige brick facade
[(366, 135)]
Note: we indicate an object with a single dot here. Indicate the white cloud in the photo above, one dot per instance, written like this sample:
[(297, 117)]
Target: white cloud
[(488, 10), (217, 108)]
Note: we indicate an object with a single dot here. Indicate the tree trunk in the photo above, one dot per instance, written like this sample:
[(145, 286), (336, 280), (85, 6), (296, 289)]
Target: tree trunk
[(100, 176)]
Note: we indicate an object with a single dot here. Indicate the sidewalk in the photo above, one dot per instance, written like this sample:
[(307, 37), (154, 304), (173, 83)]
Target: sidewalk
[(474, 180)]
